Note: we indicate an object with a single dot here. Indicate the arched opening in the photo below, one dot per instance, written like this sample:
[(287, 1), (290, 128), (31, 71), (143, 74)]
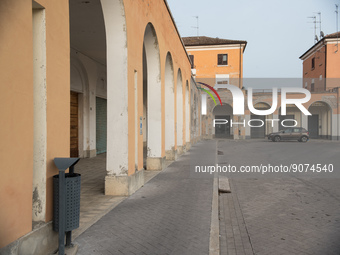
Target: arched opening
[(89, 39), (292, 113), (187, 114), (224, 113), (320, 122), (169, 109), (99, 51), (195, 121), (88, 62), (260, 127), (145, 109), (152, 108), (193, 115), (179, 106)]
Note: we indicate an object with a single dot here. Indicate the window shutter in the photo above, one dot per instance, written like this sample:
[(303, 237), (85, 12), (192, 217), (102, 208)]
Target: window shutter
[(219, 59), (192, 58)]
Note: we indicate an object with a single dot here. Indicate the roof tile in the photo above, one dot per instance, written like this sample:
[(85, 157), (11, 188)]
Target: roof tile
[(204, 40)]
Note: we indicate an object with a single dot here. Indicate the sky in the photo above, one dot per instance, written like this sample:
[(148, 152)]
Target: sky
[(278, 32)]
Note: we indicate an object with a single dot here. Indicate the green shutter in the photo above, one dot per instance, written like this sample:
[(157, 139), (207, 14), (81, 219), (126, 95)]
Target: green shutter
[(101, 125)]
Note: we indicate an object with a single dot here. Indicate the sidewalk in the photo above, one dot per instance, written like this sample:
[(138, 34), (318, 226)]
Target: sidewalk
[(281, 216), (171, 214)]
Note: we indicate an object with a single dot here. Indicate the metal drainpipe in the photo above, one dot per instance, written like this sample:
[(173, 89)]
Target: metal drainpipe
[(325, 64), (337, 111), (239, 131), (240, 68)]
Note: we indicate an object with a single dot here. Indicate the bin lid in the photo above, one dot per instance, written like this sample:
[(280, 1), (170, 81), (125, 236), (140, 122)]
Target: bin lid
[(65, 163)]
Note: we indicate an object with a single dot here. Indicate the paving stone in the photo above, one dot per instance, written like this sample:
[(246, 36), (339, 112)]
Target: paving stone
[(281, 215), (170, 214)]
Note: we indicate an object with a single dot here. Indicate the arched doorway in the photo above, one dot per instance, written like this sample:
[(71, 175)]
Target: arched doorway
[(89, 56), (287, 121), (152, 107), (187, 115), (225, 114), (169, 109), (179, 105), (260, 127), (320, 122), (98, 43)]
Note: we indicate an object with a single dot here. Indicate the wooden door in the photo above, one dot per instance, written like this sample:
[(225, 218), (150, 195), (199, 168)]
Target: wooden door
[(74, 150)]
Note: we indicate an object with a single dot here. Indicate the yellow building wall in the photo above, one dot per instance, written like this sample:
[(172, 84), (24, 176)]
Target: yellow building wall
[(207, 67), (333, 63), (16, 97), (16, 94), (138, 15)]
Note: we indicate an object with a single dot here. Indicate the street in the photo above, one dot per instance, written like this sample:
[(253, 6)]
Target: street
[(280, 215)]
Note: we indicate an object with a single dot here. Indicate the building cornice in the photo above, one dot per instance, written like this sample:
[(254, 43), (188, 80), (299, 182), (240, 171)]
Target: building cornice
[(179, 36), (215, 47), (324, 41)]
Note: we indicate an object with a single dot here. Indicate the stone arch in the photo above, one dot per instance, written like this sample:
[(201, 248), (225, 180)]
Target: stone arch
[(197, 113), (320, 122), (152, 99), (223, 128), (292, 112), (169, 108), (260, 126), (89, 52), (187, 113), (179, 106)]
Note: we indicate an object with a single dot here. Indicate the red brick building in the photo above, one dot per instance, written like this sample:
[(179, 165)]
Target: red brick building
[(321, 64)]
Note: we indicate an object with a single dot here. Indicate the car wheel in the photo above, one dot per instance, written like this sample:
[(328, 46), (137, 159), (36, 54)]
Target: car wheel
[(277, 138), (304, 139)]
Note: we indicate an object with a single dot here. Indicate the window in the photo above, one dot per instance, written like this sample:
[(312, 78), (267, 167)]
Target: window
[(222, 79), (192, 58), (222, 59), (313, 63), (312, 86), (222, 82)]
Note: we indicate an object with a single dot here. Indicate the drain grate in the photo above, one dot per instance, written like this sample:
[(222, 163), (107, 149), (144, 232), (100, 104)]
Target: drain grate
[(220, 153)]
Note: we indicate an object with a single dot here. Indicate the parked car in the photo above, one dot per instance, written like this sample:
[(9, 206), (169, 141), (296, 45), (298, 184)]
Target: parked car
[(295, 133)]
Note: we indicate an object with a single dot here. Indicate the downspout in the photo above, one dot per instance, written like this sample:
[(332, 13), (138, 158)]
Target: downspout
[(240, 85), (240, 69), (337, 111), (325, 65)]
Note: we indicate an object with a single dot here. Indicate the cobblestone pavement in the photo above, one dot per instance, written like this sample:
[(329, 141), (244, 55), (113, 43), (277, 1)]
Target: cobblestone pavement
[(291, 215), (234, 238), (171, 214), (93, 203)]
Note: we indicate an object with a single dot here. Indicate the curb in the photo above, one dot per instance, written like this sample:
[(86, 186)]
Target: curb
[(214, 244), (223, 185)]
